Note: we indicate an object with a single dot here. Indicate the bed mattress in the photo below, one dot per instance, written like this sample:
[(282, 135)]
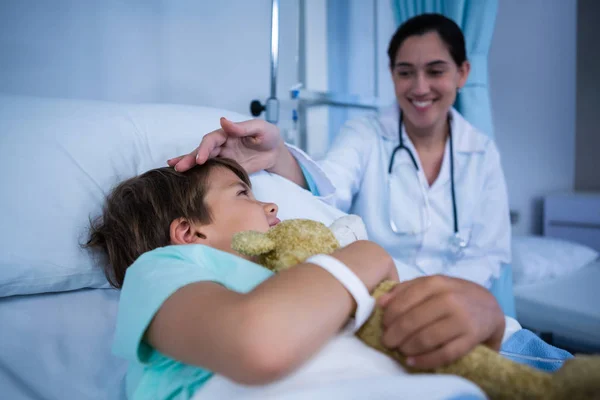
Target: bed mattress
[(567, 307)]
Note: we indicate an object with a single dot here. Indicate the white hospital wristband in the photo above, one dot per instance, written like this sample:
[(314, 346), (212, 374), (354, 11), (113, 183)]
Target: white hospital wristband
[(364, 302)]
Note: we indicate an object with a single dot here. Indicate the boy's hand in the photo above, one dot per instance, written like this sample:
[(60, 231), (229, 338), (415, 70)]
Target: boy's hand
[(435, 320)]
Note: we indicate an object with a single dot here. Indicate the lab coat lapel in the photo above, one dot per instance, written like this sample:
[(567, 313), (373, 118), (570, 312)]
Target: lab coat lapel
[(465, 142)]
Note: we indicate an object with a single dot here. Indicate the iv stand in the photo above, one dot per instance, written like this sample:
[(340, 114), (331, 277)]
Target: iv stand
[(271, 107)]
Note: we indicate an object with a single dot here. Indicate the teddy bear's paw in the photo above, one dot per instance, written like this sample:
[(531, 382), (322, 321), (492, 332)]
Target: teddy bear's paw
[(579, 378), (349, 229)]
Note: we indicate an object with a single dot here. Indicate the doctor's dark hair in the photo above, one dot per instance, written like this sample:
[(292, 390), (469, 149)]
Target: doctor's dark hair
[(138, 212), (449, 32)]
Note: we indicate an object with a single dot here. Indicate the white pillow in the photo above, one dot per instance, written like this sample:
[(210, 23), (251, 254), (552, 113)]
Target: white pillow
[(60, 158), (536, 259)]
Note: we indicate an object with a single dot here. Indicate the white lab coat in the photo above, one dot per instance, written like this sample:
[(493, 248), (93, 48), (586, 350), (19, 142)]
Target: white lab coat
[(353, 177)]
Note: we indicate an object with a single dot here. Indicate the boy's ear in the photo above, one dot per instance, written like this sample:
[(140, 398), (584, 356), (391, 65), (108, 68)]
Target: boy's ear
[(182, 231)]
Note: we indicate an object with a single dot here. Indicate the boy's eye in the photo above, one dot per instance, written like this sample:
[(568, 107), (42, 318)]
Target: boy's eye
[(436, 72), (243, 192)]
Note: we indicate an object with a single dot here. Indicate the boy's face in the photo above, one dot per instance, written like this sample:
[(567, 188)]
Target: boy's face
[(234, 209)]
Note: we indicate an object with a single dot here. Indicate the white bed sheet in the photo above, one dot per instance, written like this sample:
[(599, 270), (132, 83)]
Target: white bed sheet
[(57, 347), (568, 307), (345, 368)]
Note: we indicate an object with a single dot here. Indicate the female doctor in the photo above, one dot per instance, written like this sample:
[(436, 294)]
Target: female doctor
[(428, 185)]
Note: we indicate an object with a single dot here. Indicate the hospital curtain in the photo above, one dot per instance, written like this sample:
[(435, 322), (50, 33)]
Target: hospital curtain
[(476, 18)]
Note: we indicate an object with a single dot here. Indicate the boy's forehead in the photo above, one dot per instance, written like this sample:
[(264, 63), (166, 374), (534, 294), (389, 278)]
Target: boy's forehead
[(223, 178)]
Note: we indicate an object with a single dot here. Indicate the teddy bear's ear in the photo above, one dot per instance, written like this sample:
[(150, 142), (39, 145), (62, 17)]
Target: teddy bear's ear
[(252, 243)]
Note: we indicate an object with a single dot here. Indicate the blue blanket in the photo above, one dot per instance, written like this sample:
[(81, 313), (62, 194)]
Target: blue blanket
[(526, 348)]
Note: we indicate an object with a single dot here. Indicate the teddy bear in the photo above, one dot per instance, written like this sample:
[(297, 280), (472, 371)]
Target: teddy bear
[(293, 241)]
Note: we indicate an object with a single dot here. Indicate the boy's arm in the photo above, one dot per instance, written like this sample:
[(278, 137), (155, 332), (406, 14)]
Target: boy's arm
[(260, 336)]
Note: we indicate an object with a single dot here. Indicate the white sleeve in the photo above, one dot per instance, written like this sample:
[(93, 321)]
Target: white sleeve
[(338, 176), (512, 326), (318, 176), (489, 245)]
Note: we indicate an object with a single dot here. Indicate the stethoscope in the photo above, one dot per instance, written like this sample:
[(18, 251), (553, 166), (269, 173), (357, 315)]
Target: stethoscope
[(456, 242)]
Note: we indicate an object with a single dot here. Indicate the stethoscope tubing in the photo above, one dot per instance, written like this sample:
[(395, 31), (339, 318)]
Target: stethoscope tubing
[(401, 146)]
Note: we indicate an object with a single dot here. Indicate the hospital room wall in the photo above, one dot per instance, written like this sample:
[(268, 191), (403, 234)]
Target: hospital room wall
[(213, 53), (533, 88)]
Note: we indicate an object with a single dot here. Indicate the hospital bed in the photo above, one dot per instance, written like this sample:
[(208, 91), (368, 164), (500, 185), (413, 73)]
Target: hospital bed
[(557, 275), (58, 160)]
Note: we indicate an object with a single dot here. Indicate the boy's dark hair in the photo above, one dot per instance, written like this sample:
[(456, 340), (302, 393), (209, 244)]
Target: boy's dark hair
[(137, 215), (448, 30)]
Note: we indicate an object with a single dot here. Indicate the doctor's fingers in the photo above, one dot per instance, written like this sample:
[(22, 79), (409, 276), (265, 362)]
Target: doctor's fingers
[(245, 128), (431, 337), (408, 295), (259, 129), (444, 355), (209, 146), (255, 134), (183, 163), (173, 161), (405, 326)]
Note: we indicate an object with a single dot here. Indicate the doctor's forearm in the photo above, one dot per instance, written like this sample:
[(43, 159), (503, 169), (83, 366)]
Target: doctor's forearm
[(287, 166)]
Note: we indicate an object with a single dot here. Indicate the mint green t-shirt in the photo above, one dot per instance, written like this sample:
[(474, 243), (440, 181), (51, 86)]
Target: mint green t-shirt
[(151, 279)]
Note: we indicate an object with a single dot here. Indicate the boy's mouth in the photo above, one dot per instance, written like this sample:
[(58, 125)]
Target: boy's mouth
[(274, 222)]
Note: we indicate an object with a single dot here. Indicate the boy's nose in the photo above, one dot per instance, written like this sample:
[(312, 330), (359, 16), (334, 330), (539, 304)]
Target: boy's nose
[(271, 209)]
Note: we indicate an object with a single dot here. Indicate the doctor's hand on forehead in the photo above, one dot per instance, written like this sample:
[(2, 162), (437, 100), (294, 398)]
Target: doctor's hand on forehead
[(255, 144), (435, 320)]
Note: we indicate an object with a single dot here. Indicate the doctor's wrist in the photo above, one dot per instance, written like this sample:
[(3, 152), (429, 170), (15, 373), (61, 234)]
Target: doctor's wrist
[(285, 165)]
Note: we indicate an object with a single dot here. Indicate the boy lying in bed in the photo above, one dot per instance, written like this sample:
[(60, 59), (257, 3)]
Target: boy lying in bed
[(191, 308)]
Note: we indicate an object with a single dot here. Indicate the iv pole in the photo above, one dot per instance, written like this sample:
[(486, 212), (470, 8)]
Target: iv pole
[(271, 107), (308, 98)]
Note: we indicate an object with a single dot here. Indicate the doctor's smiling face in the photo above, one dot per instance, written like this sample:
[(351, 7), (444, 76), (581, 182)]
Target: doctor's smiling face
[(428, 65)]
